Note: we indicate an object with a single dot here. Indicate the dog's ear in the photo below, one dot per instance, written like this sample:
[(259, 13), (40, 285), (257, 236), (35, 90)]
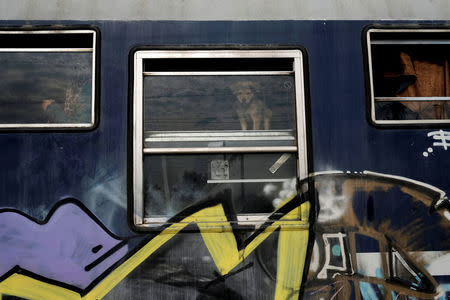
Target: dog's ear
[(240, 85)]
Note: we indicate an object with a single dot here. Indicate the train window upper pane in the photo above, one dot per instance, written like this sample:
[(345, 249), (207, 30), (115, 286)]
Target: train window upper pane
[(216, 124), (47, 79), (178, 110), (409, 76)]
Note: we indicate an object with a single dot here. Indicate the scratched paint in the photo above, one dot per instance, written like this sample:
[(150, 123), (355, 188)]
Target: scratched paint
[(361, 251), (65, 241), (218, 237), (380, 254)]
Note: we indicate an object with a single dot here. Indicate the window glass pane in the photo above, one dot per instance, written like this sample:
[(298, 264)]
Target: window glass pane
[(211, 103), (412, 110), (45, 88), (249, 183), (414, 72)]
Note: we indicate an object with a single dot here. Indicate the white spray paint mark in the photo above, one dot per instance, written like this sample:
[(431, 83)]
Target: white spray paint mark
[(430, 150), (315, 258), (442, 140), (439, 266), (276, 202), (426, 185), (442, 137), (206, 259), (332, 204), (436, 262), (287, 189), (269, 189), (326, 172), (279, 193), (382, 175), (369, 264), (327, 266), (447, 215)]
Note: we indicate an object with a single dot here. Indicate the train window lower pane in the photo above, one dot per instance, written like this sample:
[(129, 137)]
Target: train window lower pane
[(247, 183), (417, 110)]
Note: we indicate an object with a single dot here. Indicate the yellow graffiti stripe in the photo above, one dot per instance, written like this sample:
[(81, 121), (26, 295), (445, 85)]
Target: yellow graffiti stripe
[(218, 236), (28, 288), (290, 262)]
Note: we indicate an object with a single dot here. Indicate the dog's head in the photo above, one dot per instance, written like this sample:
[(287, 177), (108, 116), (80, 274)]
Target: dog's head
[(245, 91)]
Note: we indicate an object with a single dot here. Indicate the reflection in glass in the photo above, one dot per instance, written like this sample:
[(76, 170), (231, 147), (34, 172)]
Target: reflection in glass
[(42, 88), (211, 103), (411, 71), (247, 183), (412, 110)]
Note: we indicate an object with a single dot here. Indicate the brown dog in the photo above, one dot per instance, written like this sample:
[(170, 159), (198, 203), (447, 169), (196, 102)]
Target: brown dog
[(249, 108)]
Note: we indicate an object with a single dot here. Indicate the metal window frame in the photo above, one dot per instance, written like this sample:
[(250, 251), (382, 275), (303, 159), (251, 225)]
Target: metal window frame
[(218, 136), (93, 50), (138, 150), (393, 41)]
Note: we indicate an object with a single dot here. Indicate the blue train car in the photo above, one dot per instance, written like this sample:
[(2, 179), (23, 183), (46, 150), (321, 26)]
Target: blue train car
[(285, 159)]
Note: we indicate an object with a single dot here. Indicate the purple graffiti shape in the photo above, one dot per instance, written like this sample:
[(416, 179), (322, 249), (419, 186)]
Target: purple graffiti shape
[(70, 247)]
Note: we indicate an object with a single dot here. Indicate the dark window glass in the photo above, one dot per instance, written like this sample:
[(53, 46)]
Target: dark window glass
[(412, 71), (202, 103), (410, 75), (247, 183), (45, 88)]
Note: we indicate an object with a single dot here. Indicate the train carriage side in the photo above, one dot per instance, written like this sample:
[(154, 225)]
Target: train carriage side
[(224, 159)]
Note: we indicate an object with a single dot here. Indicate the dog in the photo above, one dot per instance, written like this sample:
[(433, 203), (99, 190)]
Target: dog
[(249, 108)]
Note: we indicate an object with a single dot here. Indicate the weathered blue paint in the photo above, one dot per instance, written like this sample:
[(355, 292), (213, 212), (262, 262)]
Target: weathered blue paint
[(40, 169)]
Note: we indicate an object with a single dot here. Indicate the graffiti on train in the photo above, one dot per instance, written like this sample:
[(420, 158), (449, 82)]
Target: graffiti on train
[(352, 235), (71, 255)]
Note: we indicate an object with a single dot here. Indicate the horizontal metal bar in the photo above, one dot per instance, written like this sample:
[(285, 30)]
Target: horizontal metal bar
[(240, 218), (232, 133), (400, 122), (256, 219), (218, 227), (249, 180), (395, 99), (217, 54), (219, 150), (218, 73), (46, 50), (408, 30), (410, 42), (208, 139), (45, 31), (47, 125)]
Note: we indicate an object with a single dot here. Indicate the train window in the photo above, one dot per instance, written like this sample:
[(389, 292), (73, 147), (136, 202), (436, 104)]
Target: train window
[(216, 124), (409, 75), (47, 79)]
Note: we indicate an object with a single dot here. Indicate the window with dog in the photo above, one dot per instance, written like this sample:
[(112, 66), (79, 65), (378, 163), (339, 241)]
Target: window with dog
[(212, 122)]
